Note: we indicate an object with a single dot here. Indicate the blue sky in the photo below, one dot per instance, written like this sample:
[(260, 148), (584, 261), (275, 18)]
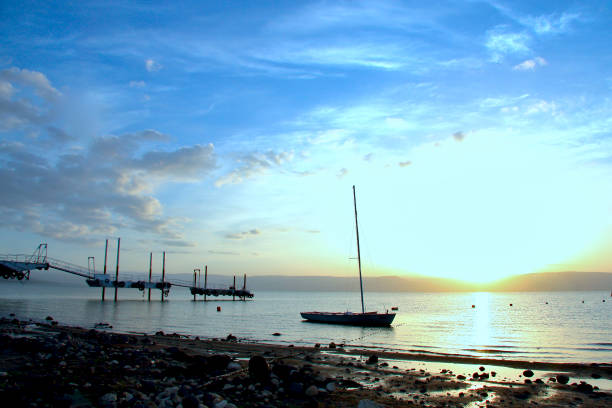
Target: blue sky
[(230, 134)]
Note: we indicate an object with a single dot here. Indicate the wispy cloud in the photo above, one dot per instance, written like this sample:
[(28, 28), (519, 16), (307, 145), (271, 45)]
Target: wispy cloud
[(243, 234), (530, 64), (552, 23), (152, 65), (254, 164), (502, 42), (230, 253)]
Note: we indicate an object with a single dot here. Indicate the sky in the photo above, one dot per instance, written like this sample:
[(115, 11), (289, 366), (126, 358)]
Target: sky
[(478, 135)]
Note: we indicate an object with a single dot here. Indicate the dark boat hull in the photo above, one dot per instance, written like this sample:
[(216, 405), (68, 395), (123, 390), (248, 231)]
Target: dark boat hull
[(353, 319)]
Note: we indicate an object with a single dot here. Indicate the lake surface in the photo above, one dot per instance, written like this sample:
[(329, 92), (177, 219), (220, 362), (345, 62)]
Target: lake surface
[(540, 326)]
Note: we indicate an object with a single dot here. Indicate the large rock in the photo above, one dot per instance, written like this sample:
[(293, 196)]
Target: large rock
[(562, 379), (373, 359), (366, 403), (259, 370), (311, 391), (528, 373)]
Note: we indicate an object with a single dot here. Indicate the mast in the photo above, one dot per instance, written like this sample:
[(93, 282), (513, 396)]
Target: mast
[(358, 253)]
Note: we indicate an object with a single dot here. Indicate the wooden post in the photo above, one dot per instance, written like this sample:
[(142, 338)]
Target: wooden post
[(163, 276), (244, 287), (194, 284), (150, 273), (117, 270), (205, 280), (105, 256), (234, 289)]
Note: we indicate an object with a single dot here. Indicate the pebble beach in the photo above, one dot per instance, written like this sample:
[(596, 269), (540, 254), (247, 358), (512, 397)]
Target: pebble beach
[(46, 364)]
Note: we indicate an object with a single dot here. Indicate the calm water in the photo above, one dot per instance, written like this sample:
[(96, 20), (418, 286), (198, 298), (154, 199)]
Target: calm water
[(564, 329)]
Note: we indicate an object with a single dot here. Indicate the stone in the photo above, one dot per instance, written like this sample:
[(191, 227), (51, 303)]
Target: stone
[(276, 334), (317, 345), (481, 368), (528, 373), (562, 379), (48, 318), (332, 345), (366, 403), (373, 359), (584, 387), (190, 402), (461, 377), (231, 337), (221, 404), (258, 369), (233, 366), (108, 400), (311, 391), (295, 388), (330, 387)]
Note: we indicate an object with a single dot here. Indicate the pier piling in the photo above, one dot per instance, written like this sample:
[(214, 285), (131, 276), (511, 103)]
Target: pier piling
[(205, 279), (105, 256), (150, 273), (163, 276), (117, 269)]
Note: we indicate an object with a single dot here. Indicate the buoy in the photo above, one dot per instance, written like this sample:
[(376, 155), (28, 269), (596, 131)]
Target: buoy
[(218, 308), (395, 308), (510, 304), (546, 302), (473, 306)]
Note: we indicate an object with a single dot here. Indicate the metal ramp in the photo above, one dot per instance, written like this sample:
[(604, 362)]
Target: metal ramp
[(19, 266)]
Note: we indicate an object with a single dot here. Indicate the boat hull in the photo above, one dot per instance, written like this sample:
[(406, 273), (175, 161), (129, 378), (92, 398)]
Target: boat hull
[(352, 319)]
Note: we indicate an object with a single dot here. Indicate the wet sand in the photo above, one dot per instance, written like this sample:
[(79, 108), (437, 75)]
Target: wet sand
[(47, 364)]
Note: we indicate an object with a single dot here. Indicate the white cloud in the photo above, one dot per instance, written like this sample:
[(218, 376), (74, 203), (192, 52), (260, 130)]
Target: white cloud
[(404, 163), (343, 172), (59, 188), (254, 164), (541, 107), (243, 234), (34, 79), (552, 23), (152, 65), (137, 84), (530, 64), (501, 43)]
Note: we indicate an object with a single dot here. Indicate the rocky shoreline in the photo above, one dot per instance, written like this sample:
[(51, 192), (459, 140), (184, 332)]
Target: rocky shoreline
[(45, 364)]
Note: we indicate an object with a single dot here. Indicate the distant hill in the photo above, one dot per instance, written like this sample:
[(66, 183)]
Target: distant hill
[(560, 281), (555, 281), (551, 281)]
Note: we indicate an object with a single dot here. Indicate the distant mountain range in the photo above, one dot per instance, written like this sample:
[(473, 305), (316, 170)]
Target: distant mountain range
[(557, 281), (550, 281)]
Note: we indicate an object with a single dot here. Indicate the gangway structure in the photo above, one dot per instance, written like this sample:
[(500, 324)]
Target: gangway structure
[(20, 266)]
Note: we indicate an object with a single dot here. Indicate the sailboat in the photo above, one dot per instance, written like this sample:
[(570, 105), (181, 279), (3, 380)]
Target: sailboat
[(351, 318)]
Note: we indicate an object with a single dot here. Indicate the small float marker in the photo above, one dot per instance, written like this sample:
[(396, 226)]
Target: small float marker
[(218, 308)]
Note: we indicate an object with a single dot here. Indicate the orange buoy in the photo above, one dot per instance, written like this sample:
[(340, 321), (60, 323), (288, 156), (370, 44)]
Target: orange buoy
[(218, 308)]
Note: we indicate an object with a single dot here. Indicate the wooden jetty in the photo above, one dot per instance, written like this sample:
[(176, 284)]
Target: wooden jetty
[(20, 266)]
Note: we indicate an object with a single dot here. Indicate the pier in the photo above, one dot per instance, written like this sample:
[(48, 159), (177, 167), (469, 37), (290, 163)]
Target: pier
[(20, 266)]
